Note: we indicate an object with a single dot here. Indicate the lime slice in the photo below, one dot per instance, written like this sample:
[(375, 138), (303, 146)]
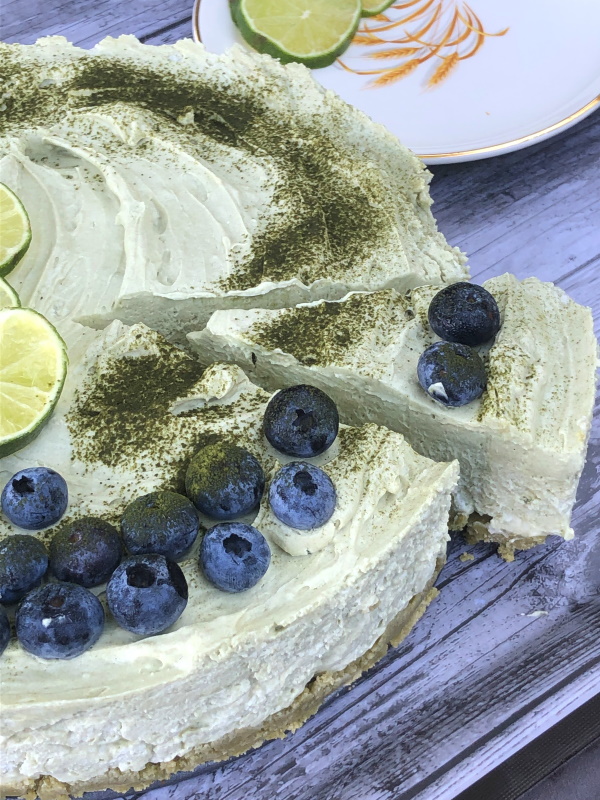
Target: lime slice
[(33, 366), (15, 230), (372, 7), (314, 32), (8, 297)]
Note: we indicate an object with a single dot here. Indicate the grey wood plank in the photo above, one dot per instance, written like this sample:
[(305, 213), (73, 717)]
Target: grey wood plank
[(85, 23), (478, 676), (471, 195)]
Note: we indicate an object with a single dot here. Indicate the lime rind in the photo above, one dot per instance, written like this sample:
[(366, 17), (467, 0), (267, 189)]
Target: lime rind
[(43, 334), (372, 7), (14, 225), (8, 297), (253, 31)]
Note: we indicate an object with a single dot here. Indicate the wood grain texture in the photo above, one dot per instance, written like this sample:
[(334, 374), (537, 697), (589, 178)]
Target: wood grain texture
[(85, 23), (507, 649)]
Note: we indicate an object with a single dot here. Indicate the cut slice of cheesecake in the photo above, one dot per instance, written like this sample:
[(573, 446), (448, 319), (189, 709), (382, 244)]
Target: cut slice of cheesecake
[(163, 183), (521, 447), (235, 669)]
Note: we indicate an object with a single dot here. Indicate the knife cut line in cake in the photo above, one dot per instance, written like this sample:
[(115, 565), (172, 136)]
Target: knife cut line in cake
[(437, 33)]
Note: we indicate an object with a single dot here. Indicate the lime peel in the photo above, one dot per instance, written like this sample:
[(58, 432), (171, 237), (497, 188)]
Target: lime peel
[(8, 297), (15, 230), (372, 7)]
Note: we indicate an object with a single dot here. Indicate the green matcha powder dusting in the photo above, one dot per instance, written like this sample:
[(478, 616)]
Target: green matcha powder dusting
[(319, 334), (126, 410)]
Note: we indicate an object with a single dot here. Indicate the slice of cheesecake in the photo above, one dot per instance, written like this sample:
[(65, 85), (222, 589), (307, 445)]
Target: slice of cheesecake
[(235, 669), (164, 183), (521, 446)]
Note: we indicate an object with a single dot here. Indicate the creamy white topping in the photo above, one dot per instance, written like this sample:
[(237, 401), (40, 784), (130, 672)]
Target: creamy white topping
[(521, 447)]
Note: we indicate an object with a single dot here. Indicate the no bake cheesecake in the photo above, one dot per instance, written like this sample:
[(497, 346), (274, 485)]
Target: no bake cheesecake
[(165, 184)]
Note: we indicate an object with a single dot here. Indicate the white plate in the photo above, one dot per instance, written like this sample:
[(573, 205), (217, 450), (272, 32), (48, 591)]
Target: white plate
[(524, 70)]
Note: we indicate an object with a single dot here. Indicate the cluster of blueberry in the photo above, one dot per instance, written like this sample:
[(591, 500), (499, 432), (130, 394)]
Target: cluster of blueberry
[(464, 315), (147, 592)]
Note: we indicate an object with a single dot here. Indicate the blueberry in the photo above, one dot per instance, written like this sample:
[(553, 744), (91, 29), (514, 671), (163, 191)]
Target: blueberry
[(147, 594), (234, 556), (302, 496), (224, 481), (86, 551), (4, 631), (452, 374), (464, 313), (23, 564), (160, 522), (35, 498), (59, 620), (301, 421)]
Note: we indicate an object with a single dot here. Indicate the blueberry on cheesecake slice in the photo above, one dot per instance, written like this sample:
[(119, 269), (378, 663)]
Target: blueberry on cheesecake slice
[(302, 496), (147, 594), (453, 374), (301, 421), (224, 481), (234, 556), (515, 408), (464, 313), (35, 498)]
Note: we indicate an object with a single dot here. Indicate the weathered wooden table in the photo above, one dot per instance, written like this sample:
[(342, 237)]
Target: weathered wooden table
[(507, 650)]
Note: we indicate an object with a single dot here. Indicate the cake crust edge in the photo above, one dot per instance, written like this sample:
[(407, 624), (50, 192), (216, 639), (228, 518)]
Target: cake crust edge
[(477, 530)]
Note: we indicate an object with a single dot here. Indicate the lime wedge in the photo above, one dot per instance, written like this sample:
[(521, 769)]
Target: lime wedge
[(372, 7), (313, 32), (33, 366), (15, 230), (8, 297)]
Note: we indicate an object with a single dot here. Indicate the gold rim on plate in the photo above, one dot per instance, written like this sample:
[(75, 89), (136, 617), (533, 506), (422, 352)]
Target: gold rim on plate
[(563, 124)]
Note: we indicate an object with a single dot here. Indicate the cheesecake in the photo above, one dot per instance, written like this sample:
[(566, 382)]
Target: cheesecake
[(235, 669), (164, 183), (521, 446), (207, 229)]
